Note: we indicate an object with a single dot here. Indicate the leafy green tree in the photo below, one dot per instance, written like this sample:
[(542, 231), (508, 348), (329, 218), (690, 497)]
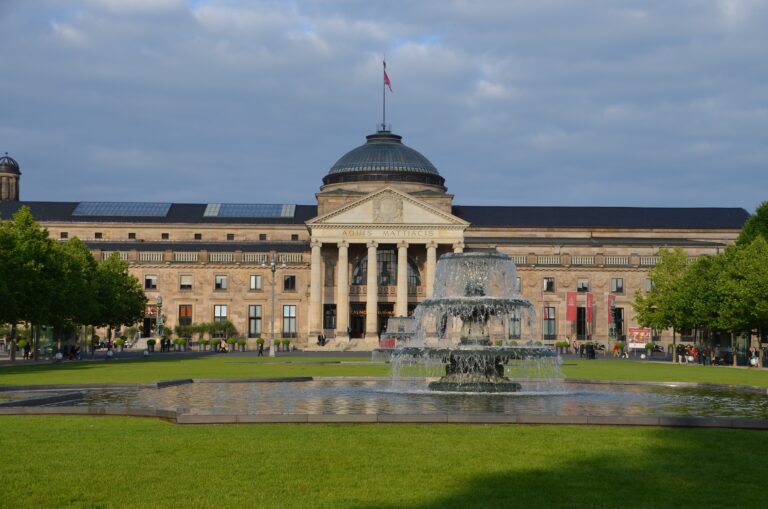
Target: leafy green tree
[(744, 283), (663, 306), (700, 294), (28, 274), (756, 225), (120, 300)]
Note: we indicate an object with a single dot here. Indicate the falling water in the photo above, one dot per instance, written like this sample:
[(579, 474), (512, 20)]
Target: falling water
[(461, 334)]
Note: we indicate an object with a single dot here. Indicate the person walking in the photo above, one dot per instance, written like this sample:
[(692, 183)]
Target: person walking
[(261, 350)]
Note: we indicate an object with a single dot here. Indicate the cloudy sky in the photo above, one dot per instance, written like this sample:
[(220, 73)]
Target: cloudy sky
[(529, 102)]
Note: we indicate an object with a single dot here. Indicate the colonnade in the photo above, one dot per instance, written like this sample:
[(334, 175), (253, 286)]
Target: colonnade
[(372, 290)]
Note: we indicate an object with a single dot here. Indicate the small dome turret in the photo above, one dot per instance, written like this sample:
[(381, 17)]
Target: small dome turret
[(9, 165)]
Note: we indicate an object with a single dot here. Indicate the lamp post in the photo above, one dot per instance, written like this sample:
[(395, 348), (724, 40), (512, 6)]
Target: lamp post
[(159, 321), (273, 268)]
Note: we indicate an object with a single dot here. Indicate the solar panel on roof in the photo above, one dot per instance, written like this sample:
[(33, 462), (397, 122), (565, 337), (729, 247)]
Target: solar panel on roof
[(249, 210), (108, 208)]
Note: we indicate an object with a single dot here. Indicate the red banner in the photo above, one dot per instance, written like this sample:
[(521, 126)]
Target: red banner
[(590, 304), (611, 305), (570, 309)]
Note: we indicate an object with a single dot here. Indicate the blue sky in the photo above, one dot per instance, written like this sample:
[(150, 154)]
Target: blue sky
[(657, 103)]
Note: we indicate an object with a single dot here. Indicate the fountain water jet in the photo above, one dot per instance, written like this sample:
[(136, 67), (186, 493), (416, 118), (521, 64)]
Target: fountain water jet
[(473, 301)]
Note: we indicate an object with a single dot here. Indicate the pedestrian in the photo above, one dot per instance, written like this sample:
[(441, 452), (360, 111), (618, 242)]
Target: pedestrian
[(261, 350), (615, 349)]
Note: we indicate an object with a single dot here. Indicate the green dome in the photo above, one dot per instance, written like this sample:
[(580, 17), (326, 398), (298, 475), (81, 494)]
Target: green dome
[(383, 158)]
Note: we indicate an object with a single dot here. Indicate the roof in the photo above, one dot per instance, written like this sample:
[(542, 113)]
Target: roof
[(602, 217), (477, 216), (383, 157), (9, 165), (176, 213)]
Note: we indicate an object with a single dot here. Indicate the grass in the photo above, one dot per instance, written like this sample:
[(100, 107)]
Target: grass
[(171, 367), (128, 462)]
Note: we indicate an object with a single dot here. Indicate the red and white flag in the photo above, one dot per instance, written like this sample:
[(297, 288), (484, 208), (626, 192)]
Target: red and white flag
[(386, 78)]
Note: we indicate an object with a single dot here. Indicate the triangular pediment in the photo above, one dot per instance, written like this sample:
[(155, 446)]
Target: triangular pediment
[(387, 207)]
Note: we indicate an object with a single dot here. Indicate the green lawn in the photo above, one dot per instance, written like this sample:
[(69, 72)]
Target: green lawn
[(232, 366), (143, 463)]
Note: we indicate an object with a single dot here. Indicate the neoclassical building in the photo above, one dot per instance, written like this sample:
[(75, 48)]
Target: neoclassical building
[(298, 271)]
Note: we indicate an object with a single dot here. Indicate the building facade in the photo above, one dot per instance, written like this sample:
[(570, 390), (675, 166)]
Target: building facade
[(297, 271)]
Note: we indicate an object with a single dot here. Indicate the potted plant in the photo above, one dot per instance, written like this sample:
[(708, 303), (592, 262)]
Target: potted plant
[(561, 346), (649, 349), (241, 343), (120, 343), (231, 344), (287, 344), (202, 344), (151, 344)]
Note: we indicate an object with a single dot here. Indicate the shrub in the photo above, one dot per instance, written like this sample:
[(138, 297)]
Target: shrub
[(231, 341), (649, 346), (621, 345), (241, 342), (179, 341), (561, 344), (21, 343), (513, 343), (120, 341), (151, 342), (260, 341), (538, 343), (204, 341), (286, 342)]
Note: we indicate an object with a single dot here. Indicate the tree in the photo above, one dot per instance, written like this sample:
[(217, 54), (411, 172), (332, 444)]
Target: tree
[(28, 279), (756, 225), (120, 300), (700, 293), (744, 283), (662, 307)]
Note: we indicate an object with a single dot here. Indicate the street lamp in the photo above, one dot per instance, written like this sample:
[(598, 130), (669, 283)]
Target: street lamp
[(273, 268), (159, 321)]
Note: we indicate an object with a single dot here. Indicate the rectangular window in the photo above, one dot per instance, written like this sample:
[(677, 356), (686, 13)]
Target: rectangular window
[(185, 282), (150, 282), (329, 316), (295, 236), (198, 236), (64, 235), (255, 282), (518, 284), (254, 321), (289, 321), (617, 285), (262, 236), (97, 235), (220, 282), (548, 326), (230, 236), (648, 284), (219, 312), (165, 236), (289, 283), (132, 236), (582, 285), (515, 327), (618, 319), (549, 284), (185, 314)]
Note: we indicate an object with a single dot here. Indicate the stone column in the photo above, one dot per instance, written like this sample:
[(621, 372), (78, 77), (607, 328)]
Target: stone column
[(342, 292), (315, 291), (458, 247), (372, 295), (430, 272), (401, 303)]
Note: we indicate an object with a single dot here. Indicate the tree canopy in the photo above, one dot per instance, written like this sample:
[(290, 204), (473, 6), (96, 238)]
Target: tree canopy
[(46, 282)]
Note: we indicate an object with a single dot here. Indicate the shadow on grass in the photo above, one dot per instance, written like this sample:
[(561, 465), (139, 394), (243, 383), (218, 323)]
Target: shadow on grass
[(682, 468)]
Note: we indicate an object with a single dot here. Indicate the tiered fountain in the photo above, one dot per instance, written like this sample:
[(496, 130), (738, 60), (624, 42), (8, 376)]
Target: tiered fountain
[(473, 300)]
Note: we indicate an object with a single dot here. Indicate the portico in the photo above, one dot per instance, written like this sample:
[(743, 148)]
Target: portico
[(391, 231)]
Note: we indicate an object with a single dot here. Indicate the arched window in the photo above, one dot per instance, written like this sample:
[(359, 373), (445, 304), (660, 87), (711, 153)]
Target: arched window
[(386, 261)]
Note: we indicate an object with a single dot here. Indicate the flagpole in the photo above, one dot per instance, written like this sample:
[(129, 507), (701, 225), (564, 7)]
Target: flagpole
[(384, 98)]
